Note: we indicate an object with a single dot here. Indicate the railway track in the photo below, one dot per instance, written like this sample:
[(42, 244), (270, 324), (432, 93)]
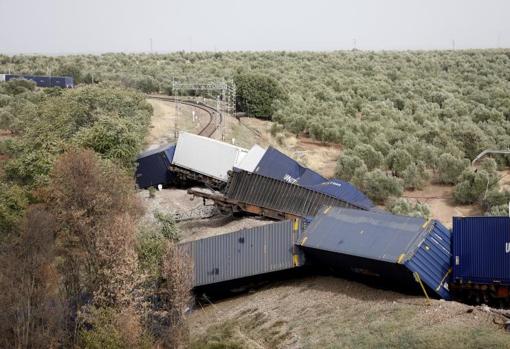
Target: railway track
[(215, 116)]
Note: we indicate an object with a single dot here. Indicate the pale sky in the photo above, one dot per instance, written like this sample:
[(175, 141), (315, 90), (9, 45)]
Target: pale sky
[(96, 26)]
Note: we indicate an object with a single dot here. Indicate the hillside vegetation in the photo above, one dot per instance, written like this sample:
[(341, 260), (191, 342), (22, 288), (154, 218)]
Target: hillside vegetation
[(402, 118)]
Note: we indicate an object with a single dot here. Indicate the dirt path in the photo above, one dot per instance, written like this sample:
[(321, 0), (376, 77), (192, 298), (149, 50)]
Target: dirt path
[(162, 129)]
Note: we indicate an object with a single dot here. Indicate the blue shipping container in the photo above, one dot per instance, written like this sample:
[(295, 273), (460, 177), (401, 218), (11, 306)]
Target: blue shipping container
[(45, 81), (275, 164), (481, 250), (394, 248), (153, 167)]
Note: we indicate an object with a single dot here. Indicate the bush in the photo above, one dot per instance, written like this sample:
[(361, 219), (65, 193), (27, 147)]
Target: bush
[(474, 185), (371, 157), (13, 202), (405, 207), (379, 186), (415, 176), (398, 160), (108, 328), (346, 166), (450, 168)]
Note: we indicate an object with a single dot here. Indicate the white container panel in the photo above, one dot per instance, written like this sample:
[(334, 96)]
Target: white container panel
[(206, 156), (252, 159)]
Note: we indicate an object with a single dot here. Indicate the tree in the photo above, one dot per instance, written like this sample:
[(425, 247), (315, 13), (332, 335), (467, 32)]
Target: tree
[(176, 294), (398, 160), (256, 93), (380, 186), (371, 157), (33, 313), (415, 176), (96, 211), (474, 185), (450, 168), (13, 202), (347, 165)]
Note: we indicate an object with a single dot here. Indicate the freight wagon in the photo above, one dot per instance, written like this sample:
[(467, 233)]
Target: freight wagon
[(42, 81), (244, 253), (481, 259), (275, 164), (205, 160)]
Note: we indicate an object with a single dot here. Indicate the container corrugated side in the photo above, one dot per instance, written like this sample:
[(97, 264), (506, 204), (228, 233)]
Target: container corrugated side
[(270, 193), (277, 165), (206, 156), (481, 250), (245, 253)]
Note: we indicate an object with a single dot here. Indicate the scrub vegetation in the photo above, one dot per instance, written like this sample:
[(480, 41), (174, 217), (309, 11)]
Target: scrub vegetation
[(77, 270)]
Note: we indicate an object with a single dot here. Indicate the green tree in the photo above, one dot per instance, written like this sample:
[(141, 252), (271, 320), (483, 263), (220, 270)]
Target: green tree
[(346, 166), (256, 93), (371, 157), (380, 186), (450, 168), (398, 160)]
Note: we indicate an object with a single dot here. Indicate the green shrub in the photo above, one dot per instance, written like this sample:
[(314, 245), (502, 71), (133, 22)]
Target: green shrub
[(346, 166), (450, 168), (405, 207), (379, 186)]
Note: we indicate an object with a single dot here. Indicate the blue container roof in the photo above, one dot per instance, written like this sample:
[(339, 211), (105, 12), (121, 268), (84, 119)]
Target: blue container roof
[(422, 246), (277, 165)]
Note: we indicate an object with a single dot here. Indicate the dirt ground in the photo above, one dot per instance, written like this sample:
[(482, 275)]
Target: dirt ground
[(442, 206), (329, 312), (162, 129)]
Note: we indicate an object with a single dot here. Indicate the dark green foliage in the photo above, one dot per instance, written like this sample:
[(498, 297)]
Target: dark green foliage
[(450, 168), (379, 186), (346, 166), (13, 202), (371, 157), (474, 184), (415, 176), (256, 94), (109, 119)]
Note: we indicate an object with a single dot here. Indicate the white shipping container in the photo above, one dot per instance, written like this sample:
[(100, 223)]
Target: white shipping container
[(2, 77), (252, 159), (207, 156)]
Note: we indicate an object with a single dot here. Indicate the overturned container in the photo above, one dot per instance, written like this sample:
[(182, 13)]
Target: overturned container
[(274, 198), (396, 249), (245, 253), (275, 164), (153, 167), (205, 160)]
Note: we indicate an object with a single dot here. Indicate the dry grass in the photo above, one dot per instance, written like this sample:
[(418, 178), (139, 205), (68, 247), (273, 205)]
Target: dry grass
[(326, 312)]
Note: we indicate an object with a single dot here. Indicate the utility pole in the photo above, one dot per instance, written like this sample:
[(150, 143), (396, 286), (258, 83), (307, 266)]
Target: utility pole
[(453, 44), (151, 44)]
